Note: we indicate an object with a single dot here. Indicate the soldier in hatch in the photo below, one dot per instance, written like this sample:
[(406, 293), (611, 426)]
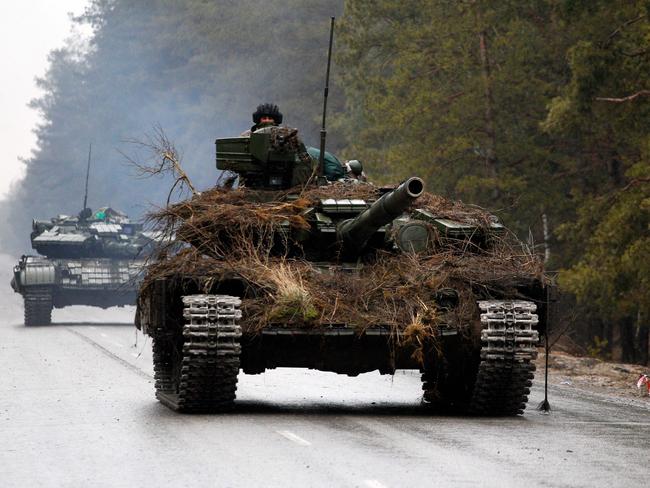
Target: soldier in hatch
[(269, 115), (266, 115)]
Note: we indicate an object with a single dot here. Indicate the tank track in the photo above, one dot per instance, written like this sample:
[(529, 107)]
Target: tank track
[(508, 348), (199, 373), (38, 305)]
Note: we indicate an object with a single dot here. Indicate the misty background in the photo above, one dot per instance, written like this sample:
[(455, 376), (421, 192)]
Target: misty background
[(197, 69)]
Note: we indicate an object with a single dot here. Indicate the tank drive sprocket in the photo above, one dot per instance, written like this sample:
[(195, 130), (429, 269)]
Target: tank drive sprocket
[(196, 371)]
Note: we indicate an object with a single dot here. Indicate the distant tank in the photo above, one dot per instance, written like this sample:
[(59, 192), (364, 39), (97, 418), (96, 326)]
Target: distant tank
[(93, 259), (288, 270)]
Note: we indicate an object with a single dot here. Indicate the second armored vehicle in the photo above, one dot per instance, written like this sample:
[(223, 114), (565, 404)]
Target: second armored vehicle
[(90, 259)]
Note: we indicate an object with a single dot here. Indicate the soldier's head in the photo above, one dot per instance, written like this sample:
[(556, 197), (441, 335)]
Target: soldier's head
[(267, 114)]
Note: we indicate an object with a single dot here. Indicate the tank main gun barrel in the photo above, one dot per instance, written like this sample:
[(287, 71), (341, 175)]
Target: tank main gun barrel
[(354, 233)]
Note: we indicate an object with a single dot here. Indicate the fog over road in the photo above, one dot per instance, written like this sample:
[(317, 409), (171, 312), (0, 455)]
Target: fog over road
[(77, 408)]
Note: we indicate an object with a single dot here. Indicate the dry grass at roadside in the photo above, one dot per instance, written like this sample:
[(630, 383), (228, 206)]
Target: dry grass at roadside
[(594, 375)]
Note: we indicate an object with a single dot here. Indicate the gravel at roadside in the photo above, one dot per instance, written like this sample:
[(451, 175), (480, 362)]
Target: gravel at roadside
[(595, 376)]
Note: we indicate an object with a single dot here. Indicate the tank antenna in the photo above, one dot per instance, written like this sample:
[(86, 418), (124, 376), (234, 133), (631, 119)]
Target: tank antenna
[(90, 148), (323, 131)]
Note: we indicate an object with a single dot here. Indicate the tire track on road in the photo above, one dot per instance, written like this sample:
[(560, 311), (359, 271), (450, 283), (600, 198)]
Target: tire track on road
[(110, 354)]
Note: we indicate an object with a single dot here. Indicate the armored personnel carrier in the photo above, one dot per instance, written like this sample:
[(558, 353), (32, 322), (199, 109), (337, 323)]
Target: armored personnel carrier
[(289, 270), (94, 258)]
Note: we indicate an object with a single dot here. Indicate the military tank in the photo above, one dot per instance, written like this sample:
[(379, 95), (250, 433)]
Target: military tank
[(290, 270), (94, 258)]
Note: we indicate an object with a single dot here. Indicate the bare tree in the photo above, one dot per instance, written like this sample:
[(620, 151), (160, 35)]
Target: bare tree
[(629, 98), (162, 159)]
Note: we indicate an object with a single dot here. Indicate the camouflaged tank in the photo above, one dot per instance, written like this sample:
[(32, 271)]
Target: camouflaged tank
[(90, 259), (212, 316)]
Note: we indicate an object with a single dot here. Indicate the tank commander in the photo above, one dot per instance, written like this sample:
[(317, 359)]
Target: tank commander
[(266, 115), (269, 115)]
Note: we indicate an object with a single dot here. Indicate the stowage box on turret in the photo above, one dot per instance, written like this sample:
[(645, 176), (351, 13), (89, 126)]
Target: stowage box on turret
[(288, 270), (91, 259)]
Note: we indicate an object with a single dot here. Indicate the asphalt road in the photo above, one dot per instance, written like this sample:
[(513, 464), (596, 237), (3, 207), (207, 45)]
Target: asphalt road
[(77, 409)]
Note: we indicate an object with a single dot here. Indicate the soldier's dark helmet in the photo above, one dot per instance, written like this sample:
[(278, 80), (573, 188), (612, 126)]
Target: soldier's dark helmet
[(267, 110)]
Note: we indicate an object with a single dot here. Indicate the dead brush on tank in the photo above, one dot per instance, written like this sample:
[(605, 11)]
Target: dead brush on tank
[(339, 276)]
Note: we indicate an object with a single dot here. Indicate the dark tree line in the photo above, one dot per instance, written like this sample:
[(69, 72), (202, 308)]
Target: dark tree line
[(537, 108)]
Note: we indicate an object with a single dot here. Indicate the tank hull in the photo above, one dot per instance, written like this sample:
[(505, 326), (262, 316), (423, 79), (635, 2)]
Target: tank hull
[(485, 368), (47, 283)]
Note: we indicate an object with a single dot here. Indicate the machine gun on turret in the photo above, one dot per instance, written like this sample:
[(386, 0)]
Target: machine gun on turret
[(271, 158)]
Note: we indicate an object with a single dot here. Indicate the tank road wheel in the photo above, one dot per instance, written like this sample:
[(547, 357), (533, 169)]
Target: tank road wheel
[(508, 348), (448, 382), (38, 305), (196, 371)]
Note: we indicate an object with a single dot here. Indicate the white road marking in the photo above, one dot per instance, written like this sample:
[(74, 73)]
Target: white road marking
[(293, 437), (373, 484)]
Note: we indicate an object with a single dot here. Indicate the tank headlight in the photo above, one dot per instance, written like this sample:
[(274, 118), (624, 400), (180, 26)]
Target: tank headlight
[(276, 181)]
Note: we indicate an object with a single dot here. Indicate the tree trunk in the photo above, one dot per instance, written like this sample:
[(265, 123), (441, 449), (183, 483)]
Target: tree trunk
[(641, 340), (615, 169), (547, 237), (617, 341), (647, 345), (490, 131)]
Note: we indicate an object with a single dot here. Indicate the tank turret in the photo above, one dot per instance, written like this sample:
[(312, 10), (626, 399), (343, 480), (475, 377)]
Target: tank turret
[(106, 233)]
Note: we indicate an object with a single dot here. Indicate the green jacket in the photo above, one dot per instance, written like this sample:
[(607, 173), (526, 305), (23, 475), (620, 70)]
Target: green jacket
[(333, 169)]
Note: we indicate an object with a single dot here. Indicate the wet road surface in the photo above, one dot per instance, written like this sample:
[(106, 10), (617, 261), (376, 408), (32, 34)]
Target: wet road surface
[(77, 409)]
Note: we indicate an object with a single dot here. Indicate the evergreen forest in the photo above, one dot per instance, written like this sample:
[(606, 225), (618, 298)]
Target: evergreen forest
[(538, 110)]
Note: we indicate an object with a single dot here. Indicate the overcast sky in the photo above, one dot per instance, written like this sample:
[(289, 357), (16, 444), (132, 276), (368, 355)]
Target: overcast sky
[(29, 29)]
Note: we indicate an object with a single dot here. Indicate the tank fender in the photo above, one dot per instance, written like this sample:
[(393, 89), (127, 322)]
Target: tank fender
[(33, 271)]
